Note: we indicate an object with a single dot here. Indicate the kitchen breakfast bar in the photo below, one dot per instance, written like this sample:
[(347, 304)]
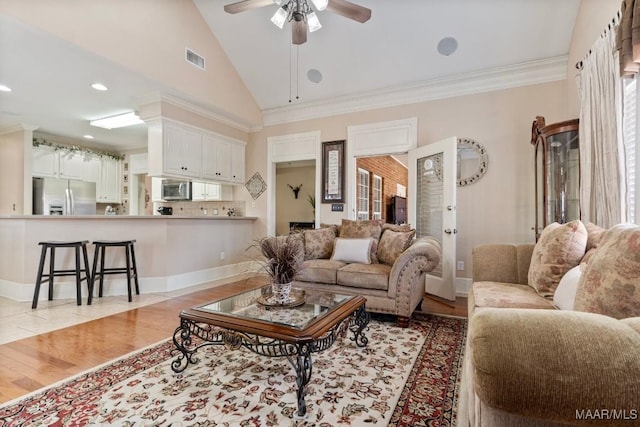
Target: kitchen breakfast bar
[(172, 252)]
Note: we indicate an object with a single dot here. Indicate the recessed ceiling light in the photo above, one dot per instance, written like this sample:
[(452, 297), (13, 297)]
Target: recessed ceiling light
[(447, 46), (314, 75), (99, 86), (4, 88), (88, 137)]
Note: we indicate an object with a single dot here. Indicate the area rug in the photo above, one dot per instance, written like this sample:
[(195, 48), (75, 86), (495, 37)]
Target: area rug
[(403, 377)]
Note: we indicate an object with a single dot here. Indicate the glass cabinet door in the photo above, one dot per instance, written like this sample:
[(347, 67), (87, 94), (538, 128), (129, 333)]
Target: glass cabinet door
[(557, 172)]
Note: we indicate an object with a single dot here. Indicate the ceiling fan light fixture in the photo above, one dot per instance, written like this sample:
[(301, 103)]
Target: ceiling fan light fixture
[(280, 17), (314, 22), (320, 4)]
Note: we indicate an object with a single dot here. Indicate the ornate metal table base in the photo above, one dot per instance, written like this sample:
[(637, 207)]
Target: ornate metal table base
[(298, 354)]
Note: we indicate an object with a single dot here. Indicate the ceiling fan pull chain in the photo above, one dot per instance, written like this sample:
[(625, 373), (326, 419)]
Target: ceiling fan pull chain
[(297, 72), (290, 66)]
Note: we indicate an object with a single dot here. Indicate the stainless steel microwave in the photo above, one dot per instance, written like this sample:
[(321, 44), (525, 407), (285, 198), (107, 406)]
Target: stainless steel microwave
[(176, 190)]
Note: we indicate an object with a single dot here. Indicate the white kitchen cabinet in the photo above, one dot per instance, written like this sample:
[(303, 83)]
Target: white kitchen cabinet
[(205, 191), (138, 164), (91, 170), (108, 187), (71, 165), (216, 158), (105, 171), (182, 151), (51, 163), (237, 163), (45, 162)]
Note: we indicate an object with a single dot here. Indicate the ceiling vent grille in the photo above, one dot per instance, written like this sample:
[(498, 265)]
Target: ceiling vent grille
[(195, 59)]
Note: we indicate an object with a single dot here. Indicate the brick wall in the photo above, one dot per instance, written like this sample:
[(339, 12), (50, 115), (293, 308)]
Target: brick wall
[(392, 173)]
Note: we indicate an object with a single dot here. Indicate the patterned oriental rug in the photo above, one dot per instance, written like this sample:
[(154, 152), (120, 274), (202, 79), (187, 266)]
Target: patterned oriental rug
[(403, 377)]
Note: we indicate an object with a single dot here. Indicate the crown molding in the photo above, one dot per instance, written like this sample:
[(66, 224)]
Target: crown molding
[(524, 74), (220, 117), (17, 127)]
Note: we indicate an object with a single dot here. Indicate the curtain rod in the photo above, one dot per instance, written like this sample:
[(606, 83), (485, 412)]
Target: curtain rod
[(615, 21)]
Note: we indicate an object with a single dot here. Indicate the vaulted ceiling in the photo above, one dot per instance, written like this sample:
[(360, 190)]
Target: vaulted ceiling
[(395, 50)]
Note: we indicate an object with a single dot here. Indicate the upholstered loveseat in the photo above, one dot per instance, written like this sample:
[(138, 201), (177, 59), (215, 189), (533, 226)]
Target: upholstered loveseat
[(529, 363), (383, 262)]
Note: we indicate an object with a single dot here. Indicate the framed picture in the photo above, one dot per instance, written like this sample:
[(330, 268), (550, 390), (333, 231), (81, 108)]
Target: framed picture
[(333, 172)]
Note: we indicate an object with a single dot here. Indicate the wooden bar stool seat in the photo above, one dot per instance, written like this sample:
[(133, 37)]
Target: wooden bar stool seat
[(51, 246), (130, 269)]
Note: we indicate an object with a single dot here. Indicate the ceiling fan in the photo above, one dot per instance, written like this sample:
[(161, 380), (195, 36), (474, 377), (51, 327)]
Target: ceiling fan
[(301, 15)]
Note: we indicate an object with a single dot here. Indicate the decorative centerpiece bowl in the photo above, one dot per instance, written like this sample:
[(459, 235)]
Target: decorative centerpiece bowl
[(283, 258), (280, 292)]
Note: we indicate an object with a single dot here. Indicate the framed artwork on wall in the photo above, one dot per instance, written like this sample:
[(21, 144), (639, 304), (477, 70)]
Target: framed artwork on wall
[(333, 172)]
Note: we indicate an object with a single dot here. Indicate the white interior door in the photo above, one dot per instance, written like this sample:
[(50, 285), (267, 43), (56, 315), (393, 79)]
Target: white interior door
[(432, 209)]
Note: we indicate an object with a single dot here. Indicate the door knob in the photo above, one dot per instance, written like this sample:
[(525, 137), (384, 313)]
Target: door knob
[(450, 207), (450, 231)]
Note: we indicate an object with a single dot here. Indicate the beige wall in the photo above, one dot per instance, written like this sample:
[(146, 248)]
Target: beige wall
[(288, 208), (499, 207), (155, 33), (593, 18), (12, 172)]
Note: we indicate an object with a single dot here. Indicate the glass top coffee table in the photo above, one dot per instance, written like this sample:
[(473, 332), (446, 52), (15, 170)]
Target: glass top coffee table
[(292, 332)]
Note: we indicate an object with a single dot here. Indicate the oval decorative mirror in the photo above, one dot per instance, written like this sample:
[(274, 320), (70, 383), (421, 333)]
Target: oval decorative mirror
[(472, 160)]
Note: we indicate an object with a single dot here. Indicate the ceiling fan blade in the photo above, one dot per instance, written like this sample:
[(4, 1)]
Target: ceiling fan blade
[(298, 32), (243, 5), (349, 10)]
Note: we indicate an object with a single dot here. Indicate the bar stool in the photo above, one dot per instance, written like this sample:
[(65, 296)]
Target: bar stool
[(130, 270), (48, 277)]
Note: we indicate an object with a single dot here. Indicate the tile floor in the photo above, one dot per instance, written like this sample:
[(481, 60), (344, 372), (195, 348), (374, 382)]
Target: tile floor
[(18, 320)]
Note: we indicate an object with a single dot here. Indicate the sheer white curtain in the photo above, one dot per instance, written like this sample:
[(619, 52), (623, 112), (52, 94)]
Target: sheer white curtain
[(602, 166)]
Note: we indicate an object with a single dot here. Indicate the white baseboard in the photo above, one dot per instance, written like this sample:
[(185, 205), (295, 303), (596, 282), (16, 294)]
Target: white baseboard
[(463, 286), (65, 289)]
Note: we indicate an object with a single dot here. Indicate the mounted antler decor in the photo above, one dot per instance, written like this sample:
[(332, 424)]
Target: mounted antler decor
[(295, 190)]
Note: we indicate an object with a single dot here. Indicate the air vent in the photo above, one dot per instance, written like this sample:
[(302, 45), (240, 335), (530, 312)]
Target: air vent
[(195, 59)]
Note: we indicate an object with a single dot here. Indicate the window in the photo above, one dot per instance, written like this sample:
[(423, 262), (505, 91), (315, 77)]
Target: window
[(630, 123), (377, 197), (363, 194)]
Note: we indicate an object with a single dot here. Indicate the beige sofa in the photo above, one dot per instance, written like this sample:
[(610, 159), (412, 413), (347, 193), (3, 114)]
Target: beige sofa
[(393, 281), (530, 364)]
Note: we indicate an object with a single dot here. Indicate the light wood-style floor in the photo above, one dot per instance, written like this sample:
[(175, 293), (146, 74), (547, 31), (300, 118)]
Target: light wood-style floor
[(31, 363)]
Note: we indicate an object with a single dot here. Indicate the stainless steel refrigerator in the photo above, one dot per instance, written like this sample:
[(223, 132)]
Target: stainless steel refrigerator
[(53, 196)]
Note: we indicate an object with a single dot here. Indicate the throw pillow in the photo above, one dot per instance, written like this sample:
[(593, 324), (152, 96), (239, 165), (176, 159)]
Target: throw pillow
[(361, 229), (318, 244), (396, 227), (610, 284), (594, 237), (392, 244), (352, 250), (559, 249), (565, 294)]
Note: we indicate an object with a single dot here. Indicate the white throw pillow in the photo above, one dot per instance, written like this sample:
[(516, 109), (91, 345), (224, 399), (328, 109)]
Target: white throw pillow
[(352, 250), (565, 294)]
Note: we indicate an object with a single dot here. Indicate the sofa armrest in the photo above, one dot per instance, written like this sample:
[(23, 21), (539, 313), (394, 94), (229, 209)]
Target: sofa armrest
[(555, 365), (408, 271), (502, 263)]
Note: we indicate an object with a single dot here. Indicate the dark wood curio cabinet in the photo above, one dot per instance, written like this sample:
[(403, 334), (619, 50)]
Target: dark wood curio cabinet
[(557, 172)]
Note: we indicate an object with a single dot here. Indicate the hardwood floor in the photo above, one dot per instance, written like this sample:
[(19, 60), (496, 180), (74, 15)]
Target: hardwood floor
[(31, 363)]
